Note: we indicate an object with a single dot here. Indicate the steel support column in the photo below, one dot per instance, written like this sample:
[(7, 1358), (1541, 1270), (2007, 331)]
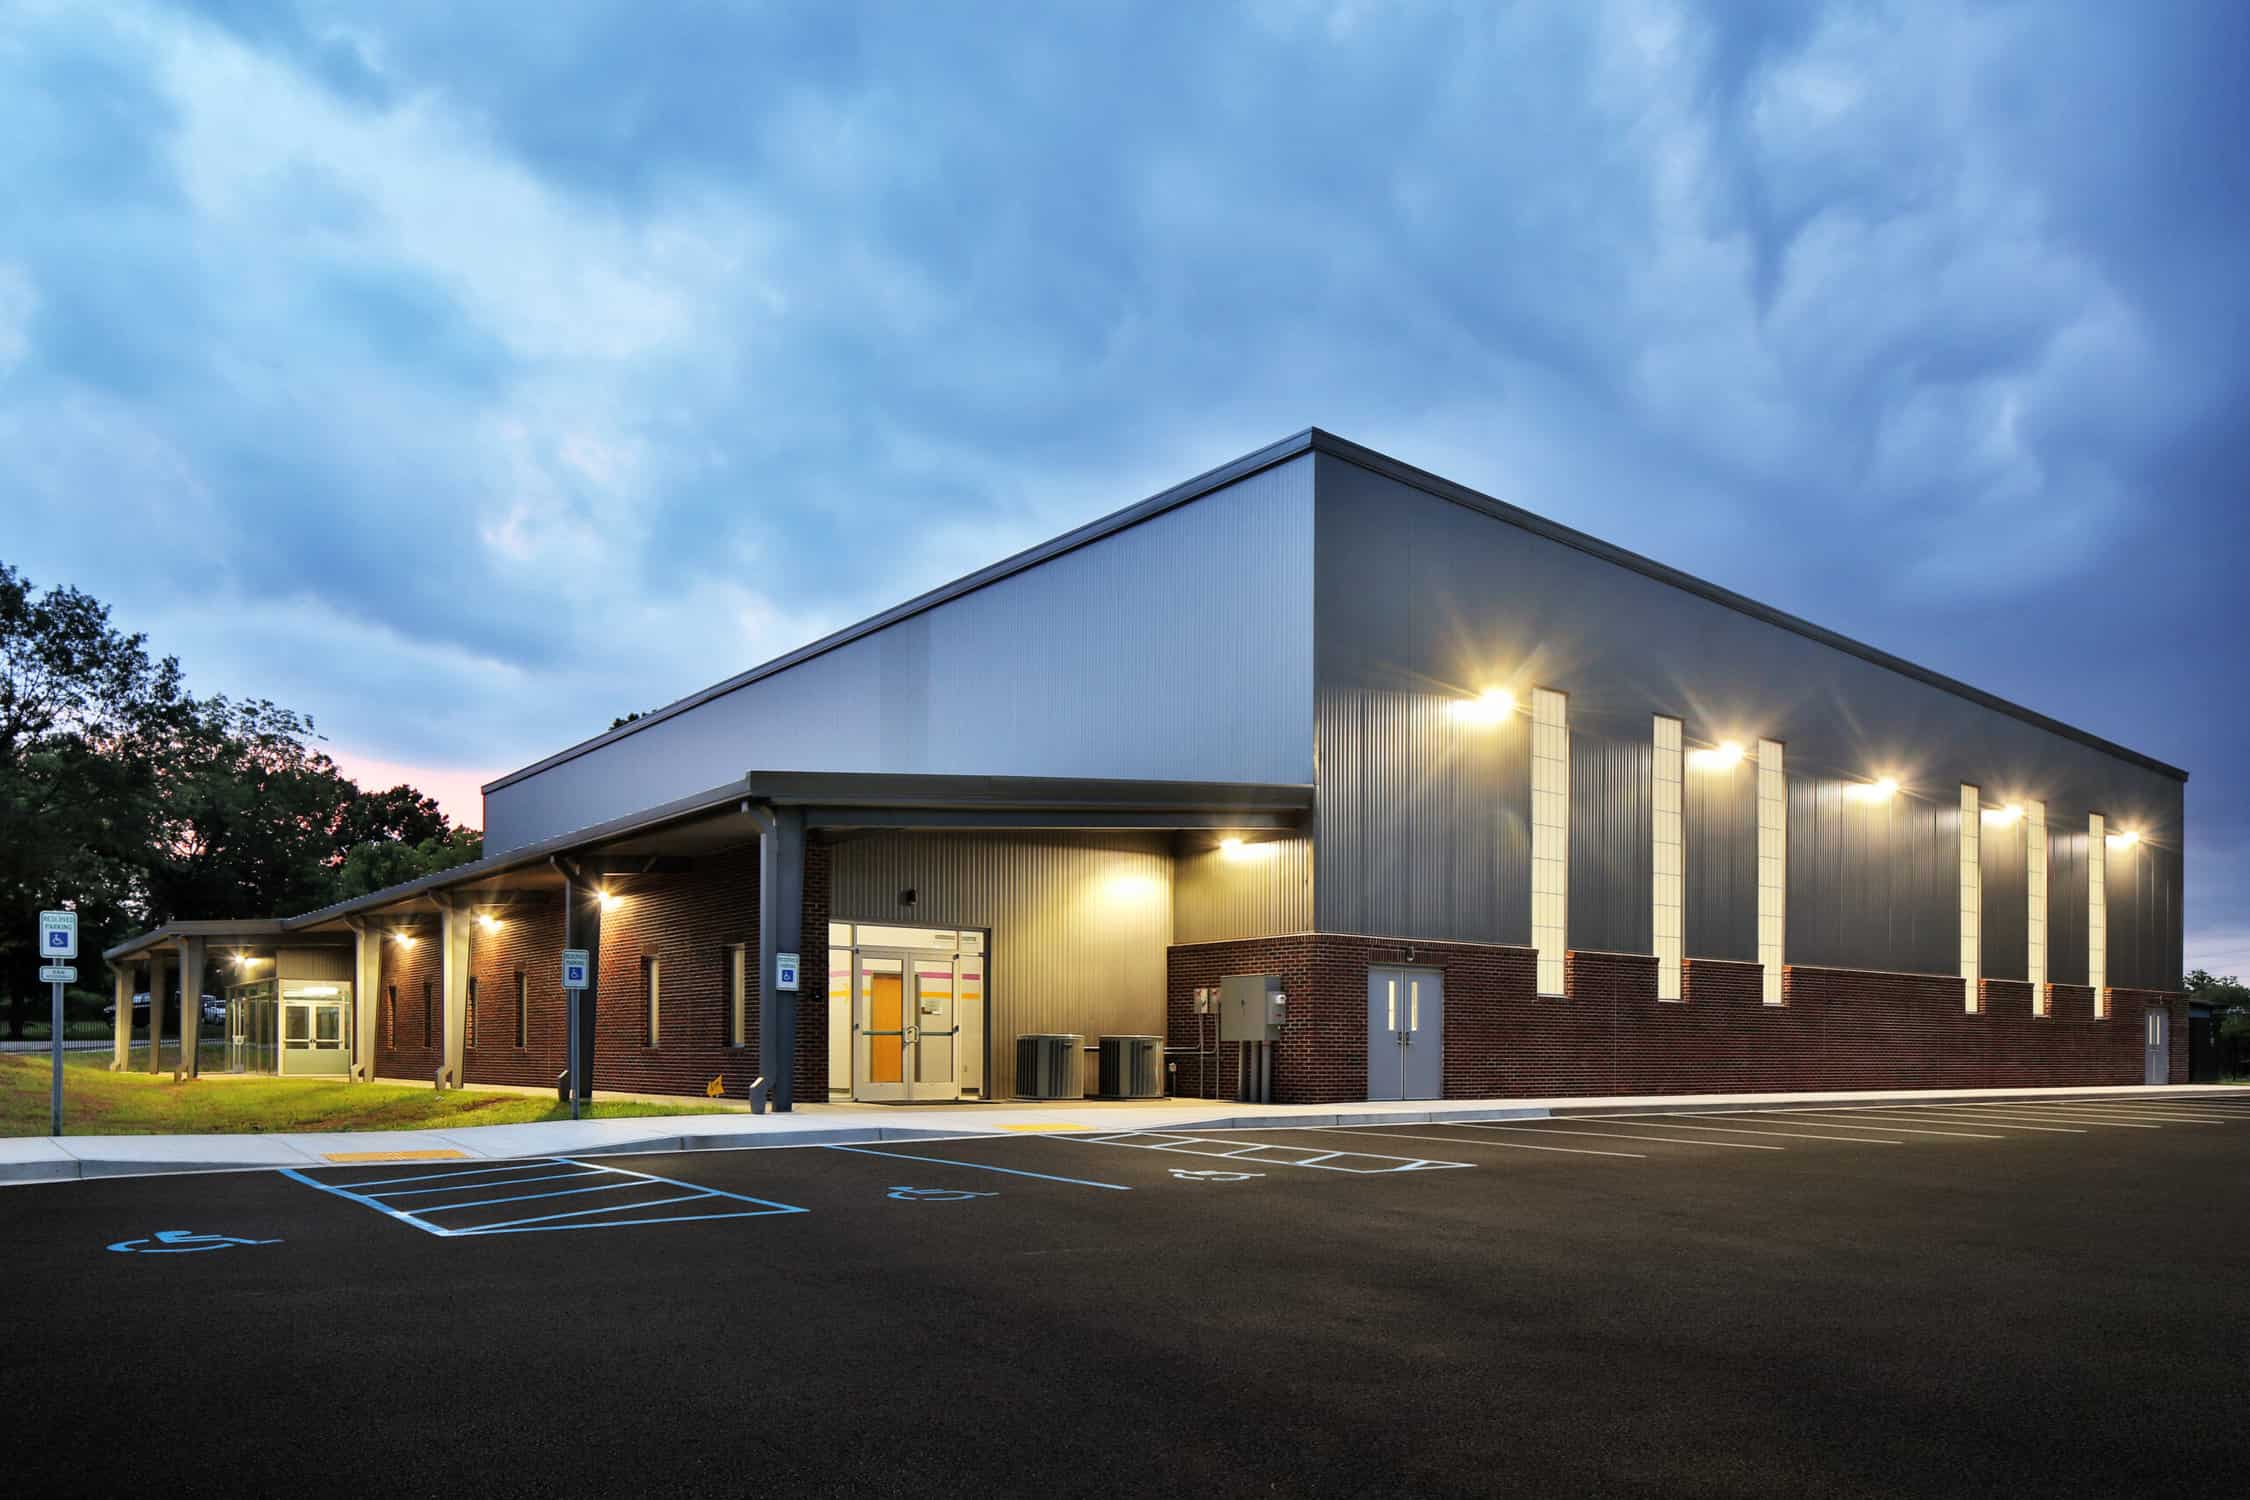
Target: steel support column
[(453, 986), (159, 989), (191, 1007), (781, 923), (121, 981), (367, 995), (582, 928)]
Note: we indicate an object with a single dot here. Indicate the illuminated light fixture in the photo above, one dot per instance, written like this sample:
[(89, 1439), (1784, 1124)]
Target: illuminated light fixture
[(1230, 843), (2125, 840), (1725, 757), (402, 939), (2004, 815), (606, 899), (1882, 789), (1488, 707), (1235, 847), (488, 921)]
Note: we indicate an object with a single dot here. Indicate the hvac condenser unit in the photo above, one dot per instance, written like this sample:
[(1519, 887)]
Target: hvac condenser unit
[(1132, 1067), (1047, 1067)]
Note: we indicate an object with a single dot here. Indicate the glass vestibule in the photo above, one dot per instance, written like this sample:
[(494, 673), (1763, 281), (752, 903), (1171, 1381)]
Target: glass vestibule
[(298, 1028), (906, 1012)]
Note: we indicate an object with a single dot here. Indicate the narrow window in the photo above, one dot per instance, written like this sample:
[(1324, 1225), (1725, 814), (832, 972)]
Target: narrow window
[(1972, 896), (1550, 834), (1773, 866), (652, 985), (469, 1028), (1669, 925), (428, 1035), (738, 994), (390, 1019), (2035, 888), (2097, 915), (523, 1013)]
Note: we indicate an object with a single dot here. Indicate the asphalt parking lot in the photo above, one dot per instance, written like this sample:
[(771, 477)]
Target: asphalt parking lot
[(1971, 1298)]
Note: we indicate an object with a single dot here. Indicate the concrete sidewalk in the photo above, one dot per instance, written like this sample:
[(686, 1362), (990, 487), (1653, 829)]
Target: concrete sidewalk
[(50, 1158)]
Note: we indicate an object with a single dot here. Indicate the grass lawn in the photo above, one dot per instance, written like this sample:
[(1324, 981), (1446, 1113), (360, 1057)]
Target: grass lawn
[(99, 1102)]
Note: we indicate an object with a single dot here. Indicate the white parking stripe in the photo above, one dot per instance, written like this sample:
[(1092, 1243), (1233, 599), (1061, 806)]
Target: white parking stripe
[(1932, 1117), (1454, 1140), (2113, 1112), (1674, 1122), (2052, 1117), (1607, 1135), (1856, 1123), (2179, 1112)]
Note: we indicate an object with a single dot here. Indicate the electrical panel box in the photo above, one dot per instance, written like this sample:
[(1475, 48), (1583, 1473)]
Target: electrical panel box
[(1252, 1007)]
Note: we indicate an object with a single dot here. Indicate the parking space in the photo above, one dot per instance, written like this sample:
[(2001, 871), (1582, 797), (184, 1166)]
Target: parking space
[(1952, 1298)]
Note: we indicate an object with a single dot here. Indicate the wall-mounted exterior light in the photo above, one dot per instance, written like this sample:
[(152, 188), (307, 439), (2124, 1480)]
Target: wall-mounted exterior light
[(488, 921), (606, 899), (404, 940), (1488, 707), (1723, 757), (2125, 840), (2003, 816), (1882, 789)]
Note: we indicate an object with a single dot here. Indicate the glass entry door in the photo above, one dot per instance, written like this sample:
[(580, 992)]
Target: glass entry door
[(907, 1036), (312, 1037)]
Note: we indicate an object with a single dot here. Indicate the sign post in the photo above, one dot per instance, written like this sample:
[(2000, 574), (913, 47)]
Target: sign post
[(58, 941), (576, 967)]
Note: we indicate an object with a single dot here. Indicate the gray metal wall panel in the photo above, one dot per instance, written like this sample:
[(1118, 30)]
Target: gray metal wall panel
[(1079, 924), (1418, 595), (1721, 833), (1872, 885), (1263, 890), (1612, 857), (2126, 901), (1177, 649), (2066, 897), (2006, 929), (1424, 820)]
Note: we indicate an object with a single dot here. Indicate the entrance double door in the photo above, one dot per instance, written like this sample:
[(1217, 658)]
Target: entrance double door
[(906, 1026), (1405, 1034)]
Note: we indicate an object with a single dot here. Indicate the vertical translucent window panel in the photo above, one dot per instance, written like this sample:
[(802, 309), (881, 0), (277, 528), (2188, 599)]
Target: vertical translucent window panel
[(1972, 896), (1550, 833), (1668, 927), (2097, 915), (2035, 898), (1773, 866)]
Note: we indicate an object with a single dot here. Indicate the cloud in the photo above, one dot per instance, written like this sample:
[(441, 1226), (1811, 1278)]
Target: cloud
[(470, 375)]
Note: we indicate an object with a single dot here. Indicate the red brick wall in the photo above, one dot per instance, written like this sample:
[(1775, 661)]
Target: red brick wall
[(400, 1048), (685, 922), (1839, 1029)]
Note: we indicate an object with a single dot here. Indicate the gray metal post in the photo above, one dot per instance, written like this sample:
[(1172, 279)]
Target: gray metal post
[(54, 1044), (158, 985), (781, 927), (191, 1007), (582, 928)]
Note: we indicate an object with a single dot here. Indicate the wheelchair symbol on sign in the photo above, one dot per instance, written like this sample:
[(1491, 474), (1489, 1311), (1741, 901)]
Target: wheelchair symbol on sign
[(934, 1195), (183, 1242), (1190, 1174)]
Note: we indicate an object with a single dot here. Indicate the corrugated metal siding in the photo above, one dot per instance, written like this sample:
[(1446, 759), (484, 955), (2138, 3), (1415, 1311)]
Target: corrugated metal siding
[(2007, 900), (1422, 598), (302, 963), (2129, 902), (1266, 890), (1872, 885), (1080, 924), (1722, 862), (2066, 897), (1177, 649), (1424, 819), (1611, 856)]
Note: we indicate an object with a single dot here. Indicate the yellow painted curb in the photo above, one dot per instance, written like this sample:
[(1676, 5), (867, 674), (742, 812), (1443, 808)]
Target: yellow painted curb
[(1045, 1127), (442, 1154)]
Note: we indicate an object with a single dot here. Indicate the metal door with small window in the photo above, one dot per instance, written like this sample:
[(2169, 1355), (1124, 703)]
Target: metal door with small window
[(1405, 1034), (2158, 1035)]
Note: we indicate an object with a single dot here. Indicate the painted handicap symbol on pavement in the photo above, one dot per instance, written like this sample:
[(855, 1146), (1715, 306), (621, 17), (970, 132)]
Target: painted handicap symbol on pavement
[(934, 1195), (183, 1242), (1190, 1174)]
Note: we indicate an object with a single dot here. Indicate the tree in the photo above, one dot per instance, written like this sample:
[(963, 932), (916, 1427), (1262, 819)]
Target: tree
[(381, 863), (2229, 999), (83, 709)]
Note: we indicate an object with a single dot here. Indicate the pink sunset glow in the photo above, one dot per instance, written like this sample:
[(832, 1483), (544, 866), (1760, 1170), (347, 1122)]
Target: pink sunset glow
[(455, 787)]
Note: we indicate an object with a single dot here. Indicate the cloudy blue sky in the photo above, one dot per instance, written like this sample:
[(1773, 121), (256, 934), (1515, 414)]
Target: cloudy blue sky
[(468, 374)]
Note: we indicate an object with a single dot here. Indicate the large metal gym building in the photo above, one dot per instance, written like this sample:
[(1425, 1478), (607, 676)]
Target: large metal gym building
[(1502, 810)]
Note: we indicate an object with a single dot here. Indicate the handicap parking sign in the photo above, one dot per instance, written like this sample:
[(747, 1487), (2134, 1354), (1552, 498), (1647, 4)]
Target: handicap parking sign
[(575, 966), (58, 934)]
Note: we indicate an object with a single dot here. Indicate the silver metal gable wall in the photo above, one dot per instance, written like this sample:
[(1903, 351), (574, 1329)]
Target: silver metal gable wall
[(1425, 595), (1177, 648)]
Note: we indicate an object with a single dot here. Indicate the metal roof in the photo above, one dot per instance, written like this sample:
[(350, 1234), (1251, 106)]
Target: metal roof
[(1315, 440)]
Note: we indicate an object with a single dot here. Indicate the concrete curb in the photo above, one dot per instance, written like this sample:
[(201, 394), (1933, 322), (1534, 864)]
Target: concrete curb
[(39, 1159)]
